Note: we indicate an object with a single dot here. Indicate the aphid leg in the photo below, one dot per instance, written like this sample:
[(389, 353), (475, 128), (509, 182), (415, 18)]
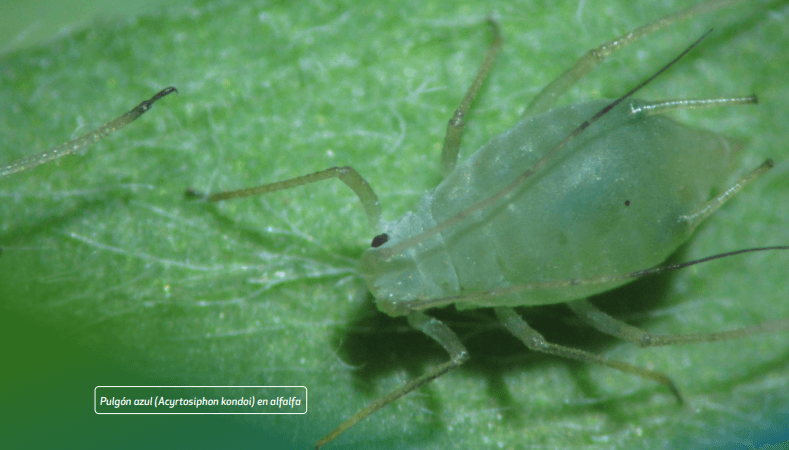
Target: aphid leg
[(86, 139), (614, 327), (545, 99), (349, 176), (436, 330), (449, 153), (536, 342), (694, 219), (609, 325), (711, 206)]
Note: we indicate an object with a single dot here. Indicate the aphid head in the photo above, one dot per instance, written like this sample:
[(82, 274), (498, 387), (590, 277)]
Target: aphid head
[(418, 273), (394, 282)]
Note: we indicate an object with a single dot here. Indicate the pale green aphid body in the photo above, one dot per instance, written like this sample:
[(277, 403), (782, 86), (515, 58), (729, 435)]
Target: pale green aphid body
[(616, 199)]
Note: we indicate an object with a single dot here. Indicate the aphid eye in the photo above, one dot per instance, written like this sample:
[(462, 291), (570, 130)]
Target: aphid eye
[(627, 202), (380, 240)]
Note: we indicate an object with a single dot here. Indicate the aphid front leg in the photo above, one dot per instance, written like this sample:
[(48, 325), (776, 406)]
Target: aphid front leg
[(546, 98), (436, 330), (449, 152), (349, 176)]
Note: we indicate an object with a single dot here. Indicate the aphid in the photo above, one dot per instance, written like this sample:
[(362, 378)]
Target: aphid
[(141, 290), (571, 202)]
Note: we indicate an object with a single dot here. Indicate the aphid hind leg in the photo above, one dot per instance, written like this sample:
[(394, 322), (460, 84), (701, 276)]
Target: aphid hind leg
[(449, 152), (436, 330), (617, 328), (348, 175), (693, 219), (712, 205), (546, 98), (536, 342)]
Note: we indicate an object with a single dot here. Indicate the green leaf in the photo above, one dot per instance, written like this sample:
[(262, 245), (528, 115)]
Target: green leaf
[(109, 277)]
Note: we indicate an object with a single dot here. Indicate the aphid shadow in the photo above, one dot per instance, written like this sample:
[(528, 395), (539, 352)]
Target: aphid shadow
[(258, 237), (379, 346), (27, 227)]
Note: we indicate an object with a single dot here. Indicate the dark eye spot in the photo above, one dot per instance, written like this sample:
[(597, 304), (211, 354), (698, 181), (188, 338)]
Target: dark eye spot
[(380, 240), (627, 202)]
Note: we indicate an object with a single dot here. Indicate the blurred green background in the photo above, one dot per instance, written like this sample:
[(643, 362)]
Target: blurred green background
[(110, 278), (24, 24)]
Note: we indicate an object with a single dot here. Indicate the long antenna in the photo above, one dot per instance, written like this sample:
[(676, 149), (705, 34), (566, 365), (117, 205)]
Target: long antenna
[(418, 305)]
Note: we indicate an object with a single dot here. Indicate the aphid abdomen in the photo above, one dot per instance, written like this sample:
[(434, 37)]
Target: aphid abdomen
[(611, 201)]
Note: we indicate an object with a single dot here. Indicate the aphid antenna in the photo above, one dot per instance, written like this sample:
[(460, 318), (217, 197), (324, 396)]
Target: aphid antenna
[(420, 305)]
